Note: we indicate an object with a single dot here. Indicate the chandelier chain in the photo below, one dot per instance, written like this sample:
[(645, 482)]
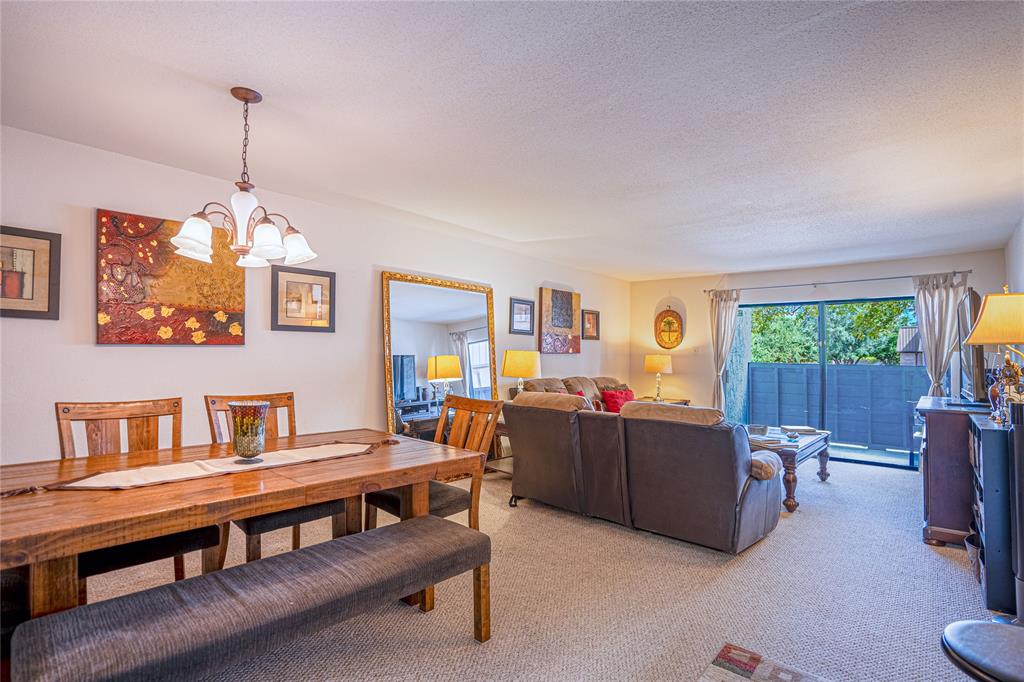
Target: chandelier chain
[(245, 142)]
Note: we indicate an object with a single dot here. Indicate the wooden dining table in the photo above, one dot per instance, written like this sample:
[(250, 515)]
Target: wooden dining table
[(46, 530)]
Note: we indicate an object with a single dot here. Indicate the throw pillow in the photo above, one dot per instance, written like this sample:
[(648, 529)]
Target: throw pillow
[(614, 400)]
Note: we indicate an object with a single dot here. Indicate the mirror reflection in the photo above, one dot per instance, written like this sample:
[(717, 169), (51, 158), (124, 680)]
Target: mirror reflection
[(440, 343)]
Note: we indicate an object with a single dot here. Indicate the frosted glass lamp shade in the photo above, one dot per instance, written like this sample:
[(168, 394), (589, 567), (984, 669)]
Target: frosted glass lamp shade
[(195, 255), (1000, 322), (443, 368), (266, 241), (658, 364), (297, 248), (521, 364), (242, 205), (195, 236), (251, 261)]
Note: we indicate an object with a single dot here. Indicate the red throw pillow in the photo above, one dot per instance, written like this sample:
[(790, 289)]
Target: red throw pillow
[(614, 400), (581, 394)]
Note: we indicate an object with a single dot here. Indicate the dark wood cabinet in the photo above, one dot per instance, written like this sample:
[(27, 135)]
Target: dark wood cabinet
[(989, 544)]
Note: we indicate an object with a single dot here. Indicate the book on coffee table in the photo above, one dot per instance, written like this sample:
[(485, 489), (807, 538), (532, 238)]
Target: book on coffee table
[(802, 430)]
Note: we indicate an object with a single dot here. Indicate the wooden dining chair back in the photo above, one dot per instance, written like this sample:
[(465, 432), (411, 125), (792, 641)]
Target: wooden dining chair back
[(217, 411), (103, 425), (472, 428)]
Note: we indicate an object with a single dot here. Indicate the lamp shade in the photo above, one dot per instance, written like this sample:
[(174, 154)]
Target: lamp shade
[(196, 255), (297, 247), (266, 241), (443, 368), (658, 364), (242, 205), (1000, 322), (195, 238), (521, 364), (250, 261)]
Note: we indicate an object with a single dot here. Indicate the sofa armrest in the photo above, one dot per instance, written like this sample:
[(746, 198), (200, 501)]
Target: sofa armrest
[(765, 465)]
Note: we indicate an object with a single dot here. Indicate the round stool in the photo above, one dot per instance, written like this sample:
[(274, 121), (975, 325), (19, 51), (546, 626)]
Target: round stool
[(987, 651)]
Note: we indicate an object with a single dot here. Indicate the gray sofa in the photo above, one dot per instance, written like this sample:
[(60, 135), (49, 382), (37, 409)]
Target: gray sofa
[(590, 386), (649, 468)]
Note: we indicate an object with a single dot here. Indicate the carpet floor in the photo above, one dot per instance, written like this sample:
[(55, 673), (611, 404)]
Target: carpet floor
[(844, 589)]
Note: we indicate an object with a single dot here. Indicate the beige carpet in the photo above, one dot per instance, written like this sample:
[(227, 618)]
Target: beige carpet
[(844, 589)]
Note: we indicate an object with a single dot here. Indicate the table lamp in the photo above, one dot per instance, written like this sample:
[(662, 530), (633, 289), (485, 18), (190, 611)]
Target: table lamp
[(658, 365), (520, 364), (446, 368), (1001, 323)]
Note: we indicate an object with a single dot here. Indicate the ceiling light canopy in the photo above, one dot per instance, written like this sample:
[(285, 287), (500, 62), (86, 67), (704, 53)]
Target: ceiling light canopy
[(255, 236)]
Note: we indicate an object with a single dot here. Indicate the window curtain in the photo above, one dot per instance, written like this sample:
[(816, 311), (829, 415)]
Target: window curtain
[(460, 347), (938, 297), (724, 305)]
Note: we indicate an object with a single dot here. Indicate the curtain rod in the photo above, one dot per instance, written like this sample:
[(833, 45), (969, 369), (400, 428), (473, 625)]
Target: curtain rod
[(839, 281)]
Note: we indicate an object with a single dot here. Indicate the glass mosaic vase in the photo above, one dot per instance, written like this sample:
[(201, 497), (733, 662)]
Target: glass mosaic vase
[(249, 429)]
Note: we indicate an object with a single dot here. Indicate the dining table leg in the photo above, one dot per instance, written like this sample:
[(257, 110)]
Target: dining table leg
[(53, 585), (416, 502)]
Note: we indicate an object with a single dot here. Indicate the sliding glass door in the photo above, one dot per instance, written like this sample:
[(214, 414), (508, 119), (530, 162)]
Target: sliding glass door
[(854, 368)]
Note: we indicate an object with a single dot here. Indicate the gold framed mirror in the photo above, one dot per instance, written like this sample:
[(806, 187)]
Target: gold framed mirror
[(438, 337)]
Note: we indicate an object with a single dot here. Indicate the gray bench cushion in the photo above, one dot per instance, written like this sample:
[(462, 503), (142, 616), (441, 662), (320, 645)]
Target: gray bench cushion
[(143, 551), (445, 500), (265, 523), (197, 626)]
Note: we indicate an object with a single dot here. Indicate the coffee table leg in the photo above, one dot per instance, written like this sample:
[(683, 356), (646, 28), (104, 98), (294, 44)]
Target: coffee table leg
[(789, 479), (823, 465)]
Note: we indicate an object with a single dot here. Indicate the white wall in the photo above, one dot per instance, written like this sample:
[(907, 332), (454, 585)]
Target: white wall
[(692, 361), (51, 185), (422, 339), (1015, 260)]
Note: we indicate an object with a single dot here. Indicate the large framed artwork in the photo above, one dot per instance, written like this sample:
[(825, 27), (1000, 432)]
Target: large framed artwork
[(559, 321), (301, 300), (29, 273), (147, 295), (520, 316)]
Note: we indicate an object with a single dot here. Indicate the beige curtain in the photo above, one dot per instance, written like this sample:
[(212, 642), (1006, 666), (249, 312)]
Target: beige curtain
[(724, 304), (460, 347), (937, 299)]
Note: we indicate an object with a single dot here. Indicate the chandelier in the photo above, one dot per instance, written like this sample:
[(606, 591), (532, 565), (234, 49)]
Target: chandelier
[(254, 235)]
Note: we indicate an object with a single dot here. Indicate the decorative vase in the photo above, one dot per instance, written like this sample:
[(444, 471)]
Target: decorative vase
[(249, 429)]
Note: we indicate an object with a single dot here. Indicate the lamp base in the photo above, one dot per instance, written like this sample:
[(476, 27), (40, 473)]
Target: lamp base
[(657, 387)]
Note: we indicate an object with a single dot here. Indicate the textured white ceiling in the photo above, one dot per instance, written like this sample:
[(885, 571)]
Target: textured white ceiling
[(421, 303), (637, 140)]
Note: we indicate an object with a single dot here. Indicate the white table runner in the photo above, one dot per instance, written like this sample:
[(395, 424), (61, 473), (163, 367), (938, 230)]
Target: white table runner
[(167, 473)]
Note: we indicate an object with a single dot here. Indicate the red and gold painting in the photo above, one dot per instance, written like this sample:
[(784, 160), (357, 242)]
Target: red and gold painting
[(145, 294), (559, 321)]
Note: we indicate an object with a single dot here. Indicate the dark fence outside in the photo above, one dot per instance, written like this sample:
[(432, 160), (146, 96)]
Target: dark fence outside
[(870, 405)]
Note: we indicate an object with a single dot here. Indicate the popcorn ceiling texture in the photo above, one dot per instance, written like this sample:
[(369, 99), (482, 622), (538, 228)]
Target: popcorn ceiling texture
[(640, 140)]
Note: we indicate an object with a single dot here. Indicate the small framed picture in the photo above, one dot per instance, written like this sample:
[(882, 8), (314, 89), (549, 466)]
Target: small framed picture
[(301, 300), (591, 325), (520, 316), (29, 273)]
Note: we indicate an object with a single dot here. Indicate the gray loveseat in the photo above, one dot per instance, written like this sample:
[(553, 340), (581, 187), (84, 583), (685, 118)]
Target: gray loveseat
[(677, 471)]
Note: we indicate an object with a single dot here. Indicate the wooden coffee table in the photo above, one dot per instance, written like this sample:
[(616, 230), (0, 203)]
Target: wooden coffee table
[(793, 454)]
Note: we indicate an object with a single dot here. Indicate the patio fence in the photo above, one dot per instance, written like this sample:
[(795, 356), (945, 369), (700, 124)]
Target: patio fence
[(870, 405)]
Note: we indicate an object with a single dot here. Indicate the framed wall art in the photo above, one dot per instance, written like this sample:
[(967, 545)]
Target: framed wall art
[(301, 300), (145, 294), (668, 328), (520, 316), (591, 325), (559, 321), (29, 273)]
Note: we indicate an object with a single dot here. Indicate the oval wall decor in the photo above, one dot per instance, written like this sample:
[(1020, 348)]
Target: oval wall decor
[(668, 329)]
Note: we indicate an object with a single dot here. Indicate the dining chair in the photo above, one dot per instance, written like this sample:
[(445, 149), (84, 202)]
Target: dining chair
[(103, 436), (219, 414), (472, 428)]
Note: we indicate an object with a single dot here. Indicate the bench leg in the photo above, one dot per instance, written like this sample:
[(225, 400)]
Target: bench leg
[(213, 557), (371, 517), (482, 603), (179, 567), (253, 547), (296, 536), (427, 599)]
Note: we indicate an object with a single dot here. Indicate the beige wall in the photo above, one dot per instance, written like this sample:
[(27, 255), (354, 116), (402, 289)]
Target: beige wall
[(693, 372), (51, 185), (1015, 260)]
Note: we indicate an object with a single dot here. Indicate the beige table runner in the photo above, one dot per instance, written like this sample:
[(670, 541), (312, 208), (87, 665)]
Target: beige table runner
[(168, 473)]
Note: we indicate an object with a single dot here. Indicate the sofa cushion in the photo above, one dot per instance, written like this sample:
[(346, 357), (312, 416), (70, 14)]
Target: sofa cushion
[(614, 400), (765, 465), (585, 384), (549, 385), (701, 416), (553, 401), (607, 383)]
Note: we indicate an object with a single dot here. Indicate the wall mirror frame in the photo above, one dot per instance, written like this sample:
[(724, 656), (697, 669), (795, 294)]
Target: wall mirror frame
[(390, 277)]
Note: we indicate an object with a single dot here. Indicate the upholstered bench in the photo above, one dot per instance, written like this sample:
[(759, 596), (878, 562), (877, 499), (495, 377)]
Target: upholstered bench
[(192, 627)]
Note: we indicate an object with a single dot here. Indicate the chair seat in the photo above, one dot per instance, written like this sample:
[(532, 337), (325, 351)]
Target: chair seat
[(445, 500), (257, 525), (143, 551)]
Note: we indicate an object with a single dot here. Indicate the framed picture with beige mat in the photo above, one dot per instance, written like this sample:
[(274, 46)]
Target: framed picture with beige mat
[(29, 273), (301, 300)]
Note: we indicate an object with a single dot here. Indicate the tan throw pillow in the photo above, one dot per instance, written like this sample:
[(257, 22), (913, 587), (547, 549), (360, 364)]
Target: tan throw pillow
[(553, 401), (701, 416), (765, 465)]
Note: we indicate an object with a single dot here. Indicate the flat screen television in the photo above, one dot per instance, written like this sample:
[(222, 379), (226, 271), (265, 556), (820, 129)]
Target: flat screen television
[(403, 373), (972, 358)]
